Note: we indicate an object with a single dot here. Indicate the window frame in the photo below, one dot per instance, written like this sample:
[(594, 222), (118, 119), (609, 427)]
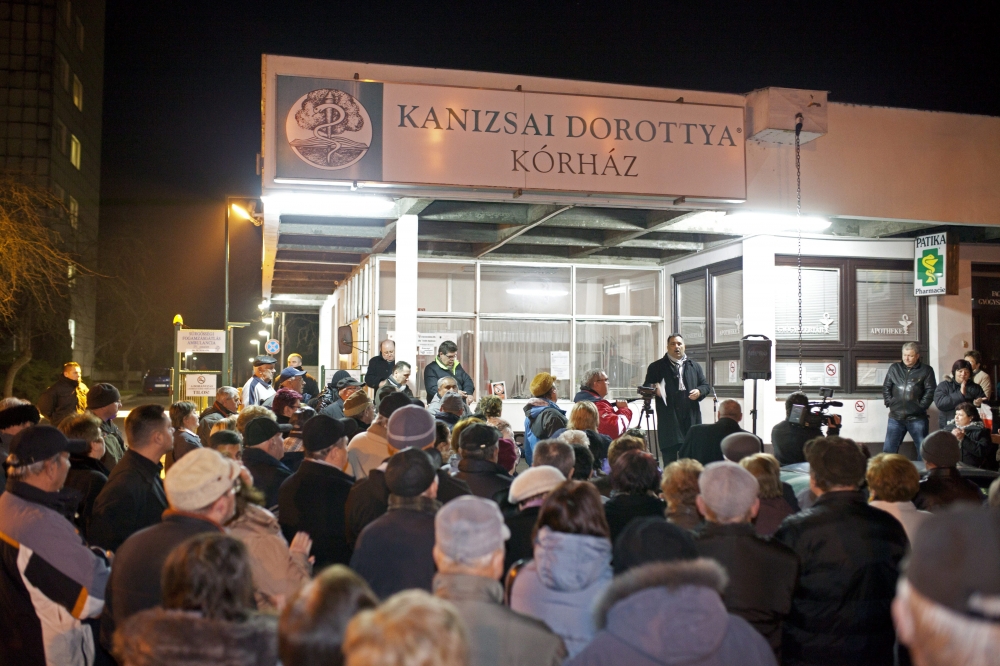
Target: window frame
[(849, 349), (77, 92), (710, 351), (75, 151)]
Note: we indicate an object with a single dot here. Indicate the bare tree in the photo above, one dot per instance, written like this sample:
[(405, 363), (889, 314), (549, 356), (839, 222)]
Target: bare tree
[(127, 325), (35, 270)]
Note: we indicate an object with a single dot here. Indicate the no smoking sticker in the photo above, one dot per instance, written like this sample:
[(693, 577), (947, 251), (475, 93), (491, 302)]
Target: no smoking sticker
[(831, 370), (860, 411)]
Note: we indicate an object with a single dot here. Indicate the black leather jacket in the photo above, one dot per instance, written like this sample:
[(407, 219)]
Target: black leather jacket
[(908, 392)]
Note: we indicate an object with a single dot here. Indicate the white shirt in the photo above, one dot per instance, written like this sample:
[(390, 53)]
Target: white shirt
[(256, 391), (906, 513)]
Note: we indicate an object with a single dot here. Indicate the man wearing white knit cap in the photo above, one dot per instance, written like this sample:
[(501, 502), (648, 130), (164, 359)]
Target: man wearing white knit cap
[(762, 573), (201, 489)]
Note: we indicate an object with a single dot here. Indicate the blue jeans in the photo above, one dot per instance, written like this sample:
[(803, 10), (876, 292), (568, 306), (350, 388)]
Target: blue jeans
[(897, 430)]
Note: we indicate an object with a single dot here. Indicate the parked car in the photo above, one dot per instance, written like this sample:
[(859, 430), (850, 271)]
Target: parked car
[(156, 380)]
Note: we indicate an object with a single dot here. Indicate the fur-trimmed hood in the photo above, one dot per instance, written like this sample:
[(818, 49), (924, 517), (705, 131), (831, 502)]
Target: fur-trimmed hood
[(158, 637), (671, 612)]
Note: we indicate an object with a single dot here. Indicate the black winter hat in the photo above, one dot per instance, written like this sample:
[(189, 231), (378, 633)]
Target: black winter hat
[(102, 395), (651, 539), (391, 403), (322, 431), (479, 436), (409, 473)]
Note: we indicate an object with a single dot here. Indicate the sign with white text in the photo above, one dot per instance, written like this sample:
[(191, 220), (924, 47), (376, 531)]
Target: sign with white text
[(335, 130), (935, 270), (201, 341)]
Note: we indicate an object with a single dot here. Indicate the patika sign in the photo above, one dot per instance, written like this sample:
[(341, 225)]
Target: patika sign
[(328, 129), (931, 265)]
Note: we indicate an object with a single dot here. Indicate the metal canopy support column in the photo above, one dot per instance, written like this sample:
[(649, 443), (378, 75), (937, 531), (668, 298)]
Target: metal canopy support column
[(406, 289)]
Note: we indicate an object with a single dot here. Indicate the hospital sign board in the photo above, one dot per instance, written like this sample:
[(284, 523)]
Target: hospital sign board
[(330, 130)]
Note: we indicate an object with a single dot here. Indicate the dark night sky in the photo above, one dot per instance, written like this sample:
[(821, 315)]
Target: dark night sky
[(182, 84)]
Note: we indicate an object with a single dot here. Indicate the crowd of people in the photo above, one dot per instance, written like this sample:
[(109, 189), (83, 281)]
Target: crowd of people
[(356, 524)]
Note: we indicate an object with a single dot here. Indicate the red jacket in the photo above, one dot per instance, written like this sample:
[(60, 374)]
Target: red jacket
[(610, 423)]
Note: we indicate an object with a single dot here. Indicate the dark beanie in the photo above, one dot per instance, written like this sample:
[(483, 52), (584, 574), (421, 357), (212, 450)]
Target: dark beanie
[(651, 539), (391, 403), (409, 473), (102, 395)]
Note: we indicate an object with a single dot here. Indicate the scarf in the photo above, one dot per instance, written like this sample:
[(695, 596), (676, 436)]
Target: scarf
[(678, 367)]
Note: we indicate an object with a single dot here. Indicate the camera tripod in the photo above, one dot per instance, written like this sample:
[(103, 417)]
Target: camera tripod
[(651, 435)]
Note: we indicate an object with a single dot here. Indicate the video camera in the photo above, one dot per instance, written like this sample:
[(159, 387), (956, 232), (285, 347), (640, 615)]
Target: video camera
[(646, 392), (816, 414)]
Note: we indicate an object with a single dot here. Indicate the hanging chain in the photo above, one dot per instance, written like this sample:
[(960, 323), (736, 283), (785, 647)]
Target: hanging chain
[(798, 214)]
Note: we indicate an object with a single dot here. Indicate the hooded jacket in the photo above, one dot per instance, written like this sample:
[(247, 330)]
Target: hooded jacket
[(559, 586), (159, 637), (670, 613), (542, 418)]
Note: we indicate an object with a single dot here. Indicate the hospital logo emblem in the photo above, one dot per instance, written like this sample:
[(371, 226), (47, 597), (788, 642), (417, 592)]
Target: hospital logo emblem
[(329, 129)]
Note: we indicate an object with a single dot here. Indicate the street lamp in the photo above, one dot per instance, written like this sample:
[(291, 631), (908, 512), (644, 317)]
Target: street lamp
[(256, 343), (257, 219)]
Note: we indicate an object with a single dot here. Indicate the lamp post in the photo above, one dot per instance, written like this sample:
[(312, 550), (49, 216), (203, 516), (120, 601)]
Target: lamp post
[(240, 211)]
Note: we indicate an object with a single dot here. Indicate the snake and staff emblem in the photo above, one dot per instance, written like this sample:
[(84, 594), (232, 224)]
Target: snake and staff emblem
[(928, 263), (329, 129)]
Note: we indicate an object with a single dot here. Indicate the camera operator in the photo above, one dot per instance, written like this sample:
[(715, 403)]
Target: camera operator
[(685, 386), (788, 438)]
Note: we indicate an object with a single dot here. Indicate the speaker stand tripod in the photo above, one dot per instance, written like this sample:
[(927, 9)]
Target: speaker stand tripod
[(651, 434)]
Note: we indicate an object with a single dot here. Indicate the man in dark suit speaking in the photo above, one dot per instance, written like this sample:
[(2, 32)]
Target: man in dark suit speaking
[(684, 386), (704, 442)]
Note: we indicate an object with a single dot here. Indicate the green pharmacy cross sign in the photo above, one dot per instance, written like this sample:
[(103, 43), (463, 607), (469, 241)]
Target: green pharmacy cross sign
[(931, 265)]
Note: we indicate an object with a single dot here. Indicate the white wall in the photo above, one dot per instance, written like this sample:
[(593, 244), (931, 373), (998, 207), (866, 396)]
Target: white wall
[(327, 333)]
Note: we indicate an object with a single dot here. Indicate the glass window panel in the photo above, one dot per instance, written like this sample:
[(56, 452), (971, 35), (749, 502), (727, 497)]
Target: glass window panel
[(815, 372), (446, 287), (726, 372), (691, 311), (872, 373), (621, 350), (887, 308), (727, 301), (515, 351), (820, 303), (604, 291), (461, 331), (387, 285), (524, 289)]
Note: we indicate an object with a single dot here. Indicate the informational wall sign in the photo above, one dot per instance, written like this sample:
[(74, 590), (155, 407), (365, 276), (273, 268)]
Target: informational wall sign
[(559, 361), (734, 375), (935, 270), (199, 386), (860, 411), (428, 343), (201, 341), (334, 130), (499, 389)]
